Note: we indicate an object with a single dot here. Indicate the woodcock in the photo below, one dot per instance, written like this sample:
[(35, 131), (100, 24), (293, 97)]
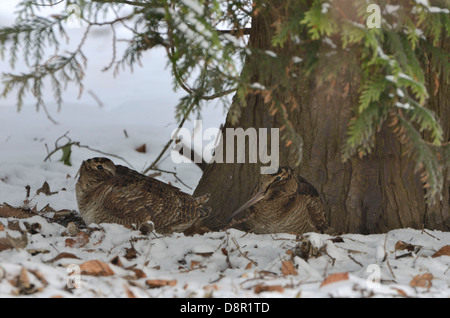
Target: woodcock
[(283, 202), (109, 193)]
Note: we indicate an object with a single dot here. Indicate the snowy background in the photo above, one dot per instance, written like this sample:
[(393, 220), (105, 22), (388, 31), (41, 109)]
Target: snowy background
[(40, 258)]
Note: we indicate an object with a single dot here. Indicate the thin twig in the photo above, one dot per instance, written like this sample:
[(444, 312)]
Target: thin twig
[(333, 260), (113, 58), (170, 52), (71, 143), (95, 97), (353, 259), (49, 117), (174, 174), (424, 231), (155, 162), (131, 3), (47, 5), (387, 258), (244, 31), (243, 254)]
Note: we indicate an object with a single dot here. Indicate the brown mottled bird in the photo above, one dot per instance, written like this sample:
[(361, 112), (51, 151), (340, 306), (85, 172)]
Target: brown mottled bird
[(283, 202), (109, 193)]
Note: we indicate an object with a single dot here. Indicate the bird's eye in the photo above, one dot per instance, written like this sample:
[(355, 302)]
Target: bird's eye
[(278, 178), (100, 167)]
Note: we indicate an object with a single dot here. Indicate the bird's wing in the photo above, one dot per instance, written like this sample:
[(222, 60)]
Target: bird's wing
[(306, 188), (317, 213), (315, 207)]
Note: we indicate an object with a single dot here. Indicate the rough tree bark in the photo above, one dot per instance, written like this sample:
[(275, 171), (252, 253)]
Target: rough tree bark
[(372, 194)]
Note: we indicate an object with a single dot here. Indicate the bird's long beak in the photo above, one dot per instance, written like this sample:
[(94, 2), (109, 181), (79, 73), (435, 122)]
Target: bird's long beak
[(258, 197)]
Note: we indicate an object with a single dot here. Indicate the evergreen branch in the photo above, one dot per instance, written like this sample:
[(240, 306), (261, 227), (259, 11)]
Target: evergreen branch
[(112, 22), (427, 121), (51, 4), (31, 34), (131, 3), (425, 158), (190, 91)]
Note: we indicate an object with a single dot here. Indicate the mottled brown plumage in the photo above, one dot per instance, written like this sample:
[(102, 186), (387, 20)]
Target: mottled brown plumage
[(283, 202), (109, 193)]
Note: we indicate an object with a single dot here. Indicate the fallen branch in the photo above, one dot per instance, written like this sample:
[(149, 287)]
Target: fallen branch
[(71, 143)]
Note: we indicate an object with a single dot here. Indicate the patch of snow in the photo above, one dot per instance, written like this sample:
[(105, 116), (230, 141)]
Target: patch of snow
[(403, 105), (389, 8), (297, 59), (325, 7), (439, 10), (270, 53), (194, 5), (382, 54), (328, 41), (400, 93), (391, 78)]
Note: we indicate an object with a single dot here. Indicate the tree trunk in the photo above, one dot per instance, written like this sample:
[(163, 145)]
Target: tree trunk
[(373, 194)]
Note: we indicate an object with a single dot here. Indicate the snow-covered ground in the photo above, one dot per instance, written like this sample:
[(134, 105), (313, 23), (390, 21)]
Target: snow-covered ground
[(41, 258)]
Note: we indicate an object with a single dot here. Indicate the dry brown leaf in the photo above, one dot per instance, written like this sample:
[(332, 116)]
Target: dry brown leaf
[(45, 189), (249, 265), (290, 253), (205, 254), (142, 148), (195, 264), (11, 242), (117, 261), (96, 268), (4, 247), (2, 227), (14, 225), (400, 245), (139, 273), (39, 276), (423, 280), (157, 283), (7, 211), (131, 253), (333, 278), (268, 288), (47, 209), (211, 287), (23, 284), (80, 240), (36, 251), (337, 239), (288, 268), (61, 256), (128, 292), (400, 292), (445, 250)]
